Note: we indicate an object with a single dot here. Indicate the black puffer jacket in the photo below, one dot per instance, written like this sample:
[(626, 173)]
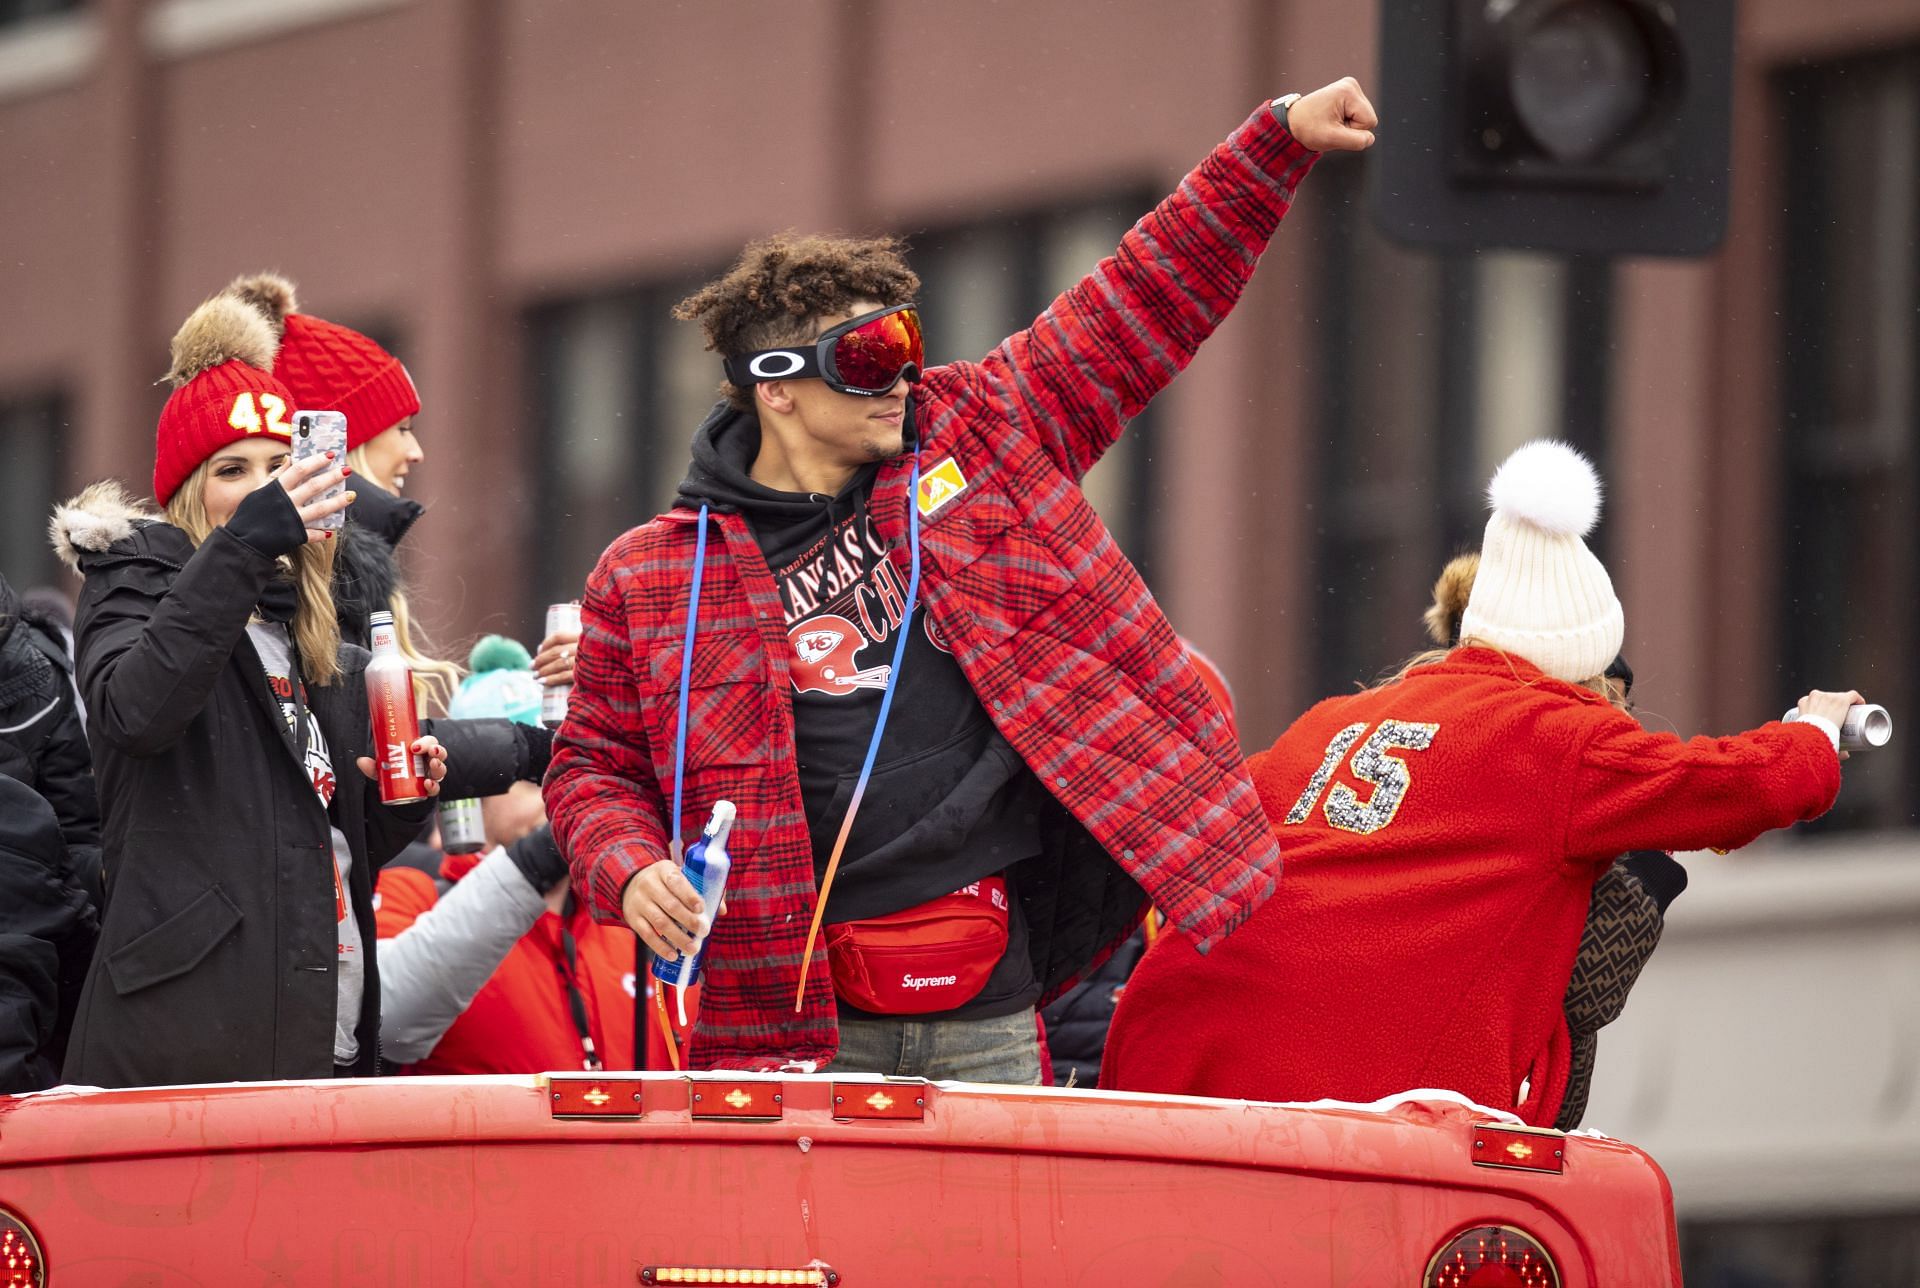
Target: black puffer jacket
[(366, 569), (1077, 1022), (484, 757), (41, 741), (219, 949), (47, 930)]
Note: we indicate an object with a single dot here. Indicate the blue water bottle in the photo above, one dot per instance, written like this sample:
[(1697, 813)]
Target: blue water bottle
[(705, 867)]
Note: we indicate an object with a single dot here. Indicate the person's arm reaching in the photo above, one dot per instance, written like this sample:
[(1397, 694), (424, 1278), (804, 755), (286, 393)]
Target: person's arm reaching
[(1106, 346), (1634, 790), (431, 967)]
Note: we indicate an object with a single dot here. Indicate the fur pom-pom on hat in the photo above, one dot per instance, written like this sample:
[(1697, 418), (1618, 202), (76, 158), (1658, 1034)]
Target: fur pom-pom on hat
[(1539, 592), (1549, 485), (1450, 594), (224, 329), (273, 295), (224, 389)]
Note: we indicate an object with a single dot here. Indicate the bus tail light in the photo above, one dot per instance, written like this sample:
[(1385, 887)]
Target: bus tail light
[(21, 1265), (1491, 1256)]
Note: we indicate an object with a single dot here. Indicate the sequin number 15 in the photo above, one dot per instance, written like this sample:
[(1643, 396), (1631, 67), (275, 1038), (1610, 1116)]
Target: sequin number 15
[(1373, 763)]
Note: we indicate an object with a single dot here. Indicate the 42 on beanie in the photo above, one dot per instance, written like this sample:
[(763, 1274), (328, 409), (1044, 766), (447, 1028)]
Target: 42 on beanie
[(1540, 593), (223, 390)]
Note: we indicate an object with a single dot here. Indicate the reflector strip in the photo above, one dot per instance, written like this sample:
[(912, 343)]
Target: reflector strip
[(1528, 1149), (594, 1097), (736, 1100), (826, 1276), (868, 1100)]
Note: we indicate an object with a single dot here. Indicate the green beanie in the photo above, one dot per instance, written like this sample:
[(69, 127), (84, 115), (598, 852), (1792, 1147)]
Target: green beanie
[(502, 683)]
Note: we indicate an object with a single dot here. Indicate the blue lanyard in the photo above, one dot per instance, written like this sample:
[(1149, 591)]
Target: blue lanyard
[(879, 728)]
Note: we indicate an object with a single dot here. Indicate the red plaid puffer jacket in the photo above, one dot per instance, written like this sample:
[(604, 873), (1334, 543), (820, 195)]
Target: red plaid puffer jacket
[(1051, 624)]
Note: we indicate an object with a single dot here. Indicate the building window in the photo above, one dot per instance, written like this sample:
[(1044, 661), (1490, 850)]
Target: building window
[(1435, 367), (32, 430), (1850, 349), (618, 387)]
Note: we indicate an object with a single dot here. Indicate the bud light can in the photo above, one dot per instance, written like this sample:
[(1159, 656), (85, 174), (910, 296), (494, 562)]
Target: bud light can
[(396, 725), (553, 701)]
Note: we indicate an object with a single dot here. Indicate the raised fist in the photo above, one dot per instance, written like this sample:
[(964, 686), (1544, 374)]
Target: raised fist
[(1337, 118)]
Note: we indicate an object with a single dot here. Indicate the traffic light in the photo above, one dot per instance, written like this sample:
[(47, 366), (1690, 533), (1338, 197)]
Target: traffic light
[(1595, 126)]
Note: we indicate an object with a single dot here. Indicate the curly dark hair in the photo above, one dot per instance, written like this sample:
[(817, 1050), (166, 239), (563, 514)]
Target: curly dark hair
[(780, 287)]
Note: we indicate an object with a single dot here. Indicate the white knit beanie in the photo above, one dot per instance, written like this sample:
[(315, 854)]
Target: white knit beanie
[(1540, 593)]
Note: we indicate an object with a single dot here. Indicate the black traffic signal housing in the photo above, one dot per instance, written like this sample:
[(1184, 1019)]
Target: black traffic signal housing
[(1592, 126)]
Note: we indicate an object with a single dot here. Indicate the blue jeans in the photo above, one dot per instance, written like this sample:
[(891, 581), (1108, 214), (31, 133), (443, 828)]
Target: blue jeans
[(1006, 1049)]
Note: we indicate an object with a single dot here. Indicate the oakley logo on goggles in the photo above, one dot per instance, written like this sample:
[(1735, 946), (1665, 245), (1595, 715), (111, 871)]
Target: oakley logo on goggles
[(867, 355)]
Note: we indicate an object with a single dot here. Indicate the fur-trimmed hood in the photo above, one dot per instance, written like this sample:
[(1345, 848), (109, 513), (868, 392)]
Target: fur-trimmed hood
[(104, 515)]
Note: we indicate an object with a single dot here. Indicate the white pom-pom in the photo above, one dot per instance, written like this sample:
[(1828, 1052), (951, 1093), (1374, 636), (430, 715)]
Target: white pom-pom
[(1550, 486)]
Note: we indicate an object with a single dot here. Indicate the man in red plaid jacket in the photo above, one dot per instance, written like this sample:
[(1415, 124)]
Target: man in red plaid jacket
[(1049, 761)]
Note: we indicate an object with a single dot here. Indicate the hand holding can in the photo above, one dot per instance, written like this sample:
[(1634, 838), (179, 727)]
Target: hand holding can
[(399, 768), (1864, 725), (554, 662)]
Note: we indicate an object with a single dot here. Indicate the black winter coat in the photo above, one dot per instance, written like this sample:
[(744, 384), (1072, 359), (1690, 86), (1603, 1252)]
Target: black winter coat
[(219, 949), (484, 757), (47, 931), (41, 741)]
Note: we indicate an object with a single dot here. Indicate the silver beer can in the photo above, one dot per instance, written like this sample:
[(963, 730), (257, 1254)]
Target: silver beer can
[(1866, 725), (463, 830), (553, 701)]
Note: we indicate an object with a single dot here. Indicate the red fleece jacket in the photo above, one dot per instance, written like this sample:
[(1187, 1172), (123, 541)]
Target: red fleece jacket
[(1443, 835)]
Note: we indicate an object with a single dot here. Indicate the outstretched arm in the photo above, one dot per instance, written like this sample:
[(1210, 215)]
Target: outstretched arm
[(1107, 345), (1634, 790)]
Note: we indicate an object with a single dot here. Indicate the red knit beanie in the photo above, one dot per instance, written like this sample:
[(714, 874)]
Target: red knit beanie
[(330, 367), (223, 391)]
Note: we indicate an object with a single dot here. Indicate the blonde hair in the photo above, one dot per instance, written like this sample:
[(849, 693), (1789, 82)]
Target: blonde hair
[(357, 458), (315, 629), (434, 679), (1606, 686)]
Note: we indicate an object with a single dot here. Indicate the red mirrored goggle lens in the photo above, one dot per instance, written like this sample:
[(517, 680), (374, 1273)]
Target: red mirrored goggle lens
[(873, 355)]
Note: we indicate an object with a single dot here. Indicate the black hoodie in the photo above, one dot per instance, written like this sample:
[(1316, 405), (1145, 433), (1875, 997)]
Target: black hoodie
[(950, 801)]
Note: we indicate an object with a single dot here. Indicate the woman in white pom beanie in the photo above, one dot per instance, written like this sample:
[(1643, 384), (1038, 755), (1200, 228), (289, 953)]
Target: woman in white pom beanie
[(1442, 835)]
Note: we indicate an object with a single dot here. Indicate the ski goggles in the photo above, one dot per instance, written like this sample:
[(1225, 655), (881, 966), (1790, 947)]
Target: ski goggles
[(867, 355)]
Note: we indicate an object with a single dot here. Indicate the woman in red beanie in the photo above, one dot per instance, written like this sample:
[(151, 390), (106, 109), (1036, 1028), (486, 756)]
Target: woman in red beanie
[(1443, 833), (238, 939), (329, 367)]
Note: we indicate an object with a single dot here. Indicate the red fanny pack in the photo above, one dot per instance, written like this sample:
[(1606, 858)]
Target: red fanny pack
[(931, 957)]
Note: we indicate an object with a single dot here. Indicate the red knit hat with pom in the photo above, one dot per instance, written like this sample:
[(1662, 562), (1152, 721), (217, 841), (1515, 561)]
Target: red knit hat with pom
[(223, 390), (330, 367)]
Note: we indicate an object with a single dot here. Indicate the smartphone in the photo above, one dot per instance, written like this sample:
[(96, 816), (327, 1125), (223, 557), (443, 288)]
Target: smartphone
[(315, 433)]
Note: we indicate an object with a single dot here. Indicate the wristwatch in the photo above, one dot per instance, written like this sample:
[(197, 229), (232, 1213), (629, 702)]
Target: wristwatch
[(1282, 104)]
